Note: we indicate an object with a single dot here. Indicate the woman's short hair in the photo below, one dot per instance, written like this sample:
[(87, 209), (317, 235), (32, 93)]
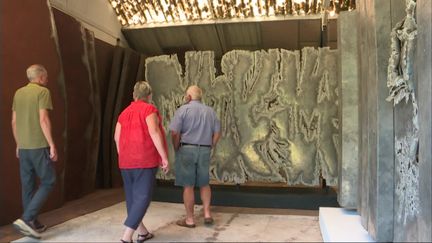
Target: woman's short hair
[(142, 90), (35, 71)]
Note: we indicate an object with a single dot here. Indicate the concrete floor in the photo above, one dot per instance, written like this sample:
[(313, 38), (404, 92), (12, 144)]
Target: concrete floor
[(231, 224)]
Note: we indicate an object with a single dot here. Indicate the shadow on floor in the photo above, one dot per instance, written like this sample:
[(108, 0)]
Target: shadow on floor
[(255, 197)]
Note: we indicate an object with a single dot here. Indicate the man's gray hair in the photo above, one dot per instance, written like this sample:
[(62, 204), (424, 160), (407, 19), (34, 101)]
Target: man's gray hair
[(142, 90), (35, 71), (195, 92)]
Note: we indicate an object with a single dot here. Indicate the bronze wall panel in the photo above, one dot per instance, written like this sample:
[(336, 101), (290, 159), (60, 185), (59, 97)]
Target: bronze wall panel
[(125, 71), (26, 39), (104, 59), (83, 112), (108, 117), (129, 70), (79, 94)]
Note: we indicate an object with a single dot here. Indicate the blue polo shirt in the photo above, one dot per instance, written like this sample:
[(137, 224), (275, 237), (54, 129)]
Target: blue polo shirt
[(196, 123)]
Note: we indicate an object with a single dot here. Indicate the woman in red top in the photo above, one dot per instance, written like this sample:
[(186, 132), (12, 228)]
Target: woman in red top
[(141, 147)]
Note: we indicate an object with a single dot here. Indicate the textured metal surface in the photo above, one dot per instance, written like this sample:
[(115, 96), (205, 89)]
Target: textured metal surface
[(76, 45), (401, 84), (423, 70), (278, 111), (125, 71), (30, 40), (349, 110), (376, 175), (132, 13)]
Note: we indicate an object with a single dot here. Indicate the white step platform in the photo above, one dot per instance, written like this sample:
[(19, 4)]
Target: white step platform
[(342, 225)]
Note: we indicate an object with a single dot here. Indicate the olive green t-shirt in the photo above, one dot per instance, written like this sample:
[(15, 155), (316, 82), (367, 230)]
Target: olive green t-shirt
[(27, 102)]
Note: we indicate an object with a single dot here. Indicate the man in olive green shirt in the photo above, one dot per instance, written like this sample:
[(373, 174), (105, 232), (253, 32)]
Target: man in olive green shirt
[(31, 127)]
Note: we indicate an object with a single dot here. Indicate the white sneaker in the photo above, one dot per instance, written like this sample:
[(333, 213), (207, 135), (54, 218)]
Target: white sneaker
[(25, 229)]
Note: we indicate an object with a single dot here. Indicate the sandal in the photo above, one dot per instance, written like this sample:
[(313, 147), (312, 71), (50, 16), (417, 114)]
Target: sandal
[(208, 221), (182, 223), (144, 237), (123, 241)]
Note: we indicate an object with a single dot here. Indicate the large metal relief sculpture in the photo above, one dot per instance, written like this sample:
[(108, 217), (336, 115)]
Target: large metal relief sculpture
[(278, 111), (402, 87)]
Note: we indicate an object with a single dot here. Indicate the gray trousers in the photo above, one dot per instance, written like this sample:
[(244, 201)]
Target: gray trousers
[(35, 163), (138, 186)]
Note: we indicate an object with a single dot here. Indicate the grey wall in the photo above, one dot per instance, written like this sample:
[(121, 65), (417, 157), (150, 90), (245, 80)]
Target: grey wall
[(349, 109), (289, 34), (423, 64), (394, 195), (278, 111), (376, 173), (401, 83)]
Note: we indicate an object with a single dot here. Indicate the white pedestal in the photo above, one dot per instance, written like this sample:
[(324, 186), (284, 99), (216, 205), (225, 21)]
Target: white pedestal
[(342, 225)]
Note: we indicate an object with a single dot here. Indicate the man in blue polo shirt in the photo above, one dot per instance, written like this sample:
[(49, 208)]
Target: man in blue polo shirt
[(195, 130)]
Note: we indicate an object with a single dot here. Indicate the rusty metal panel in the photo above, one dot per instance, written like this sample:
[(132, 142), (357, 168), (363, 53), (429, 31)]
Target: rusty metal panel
[(83, 111), (24, 43), (104, 60)]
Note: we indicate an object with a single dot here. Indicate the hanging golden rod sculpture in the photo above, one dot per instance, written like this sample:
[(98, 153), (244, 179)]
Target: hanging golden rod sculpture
[(141, 12)]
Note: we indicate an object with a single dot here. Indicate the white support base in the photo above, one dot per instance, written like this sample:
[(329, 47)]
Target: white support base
[(342, 225)]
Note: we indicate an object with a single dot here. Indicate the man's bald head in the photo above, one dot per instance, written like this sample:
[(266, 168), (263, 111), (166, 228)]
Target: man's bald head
[(194, 92)]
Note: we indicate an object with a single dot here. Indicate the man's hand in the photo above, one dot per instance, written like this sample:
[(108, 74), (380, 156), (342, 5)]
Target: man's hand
[(175, 139), (53, 153), (15, 132)]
